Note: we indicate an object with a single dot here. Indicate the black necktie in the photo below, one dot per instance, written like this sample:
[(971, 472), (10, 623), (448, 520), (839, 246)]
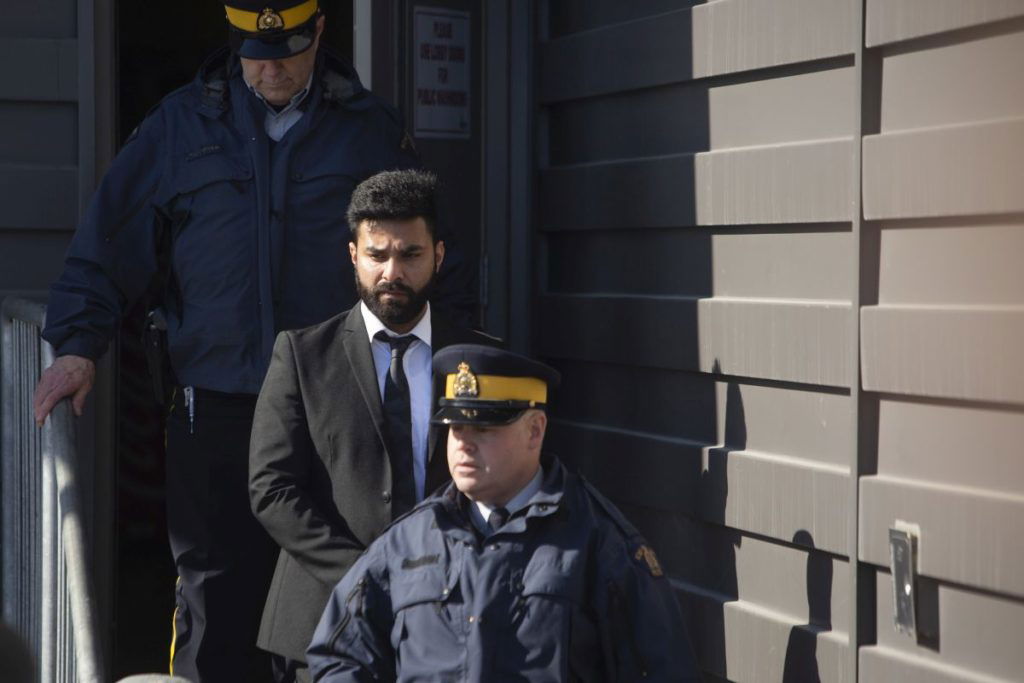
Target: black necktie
[(398, 422), (497, 519)]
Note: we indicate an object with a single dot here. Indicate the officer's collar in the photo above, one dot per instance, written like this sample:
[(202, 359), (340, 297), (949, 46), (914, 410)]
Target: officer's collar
[(544, 502)]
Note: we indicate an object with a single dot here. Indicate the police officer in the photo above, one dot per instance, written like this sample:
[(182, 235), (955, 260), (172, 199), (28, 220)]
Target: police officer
[(231, 196), (518, 570)]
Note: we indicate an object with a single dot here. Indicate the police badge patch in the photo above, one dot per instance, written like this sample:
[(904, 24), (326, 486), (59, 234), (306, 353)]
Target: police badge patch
[(646, 554)]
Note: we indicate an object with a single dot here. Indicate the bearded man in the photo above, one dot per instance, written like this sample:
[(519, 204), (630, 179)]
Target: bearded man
[(341, 441)]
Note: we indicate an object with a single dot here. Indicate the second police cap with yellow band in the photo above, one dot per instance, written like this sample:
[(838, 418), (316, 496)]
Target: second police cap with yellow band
[(488, 386), (271, 29)]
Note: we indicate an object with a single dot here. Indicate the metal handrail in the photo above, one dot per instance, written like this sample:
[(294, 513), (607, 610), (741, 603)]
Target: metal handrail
[(47, 584)]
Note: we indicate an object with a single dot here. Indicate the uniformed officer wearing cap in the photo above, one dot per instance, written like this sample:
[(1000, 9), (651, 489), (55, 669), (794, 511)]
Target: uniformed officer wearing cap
[(518, 570), (230, 201)]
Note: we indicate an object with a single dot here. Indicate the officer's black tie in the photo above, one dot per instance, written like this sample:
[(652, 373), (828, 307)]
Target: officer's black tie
[(497, 519), (398, 421)]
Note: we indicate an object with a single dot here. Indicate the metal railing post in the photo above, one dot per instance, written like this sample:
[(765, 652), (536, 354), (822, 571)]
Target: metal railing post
[(56, 612)]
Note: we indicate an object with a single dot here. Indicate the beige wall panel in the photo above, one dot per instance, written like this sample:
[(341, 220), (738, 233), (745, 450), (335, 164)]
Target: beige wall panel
[(786, 265), (964, 445), (965, 353), (796, 183), (797, 423), (977, 632), (954, 263), (805, 341), (778, 496), (886, 664), (727, 36), (796, 341), (779, 577), (950, 171), (893, 20), (626, 56), (38, 197), (804, 182), (770, 495), (916, 90), (49, 73), (789, 420), (738, 35), (968, 536), (756, 640), (810, 106)]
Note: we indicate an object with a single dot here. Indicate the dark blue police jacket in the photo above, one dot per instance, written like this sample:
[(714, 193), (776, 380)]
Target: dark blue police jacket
[(249, 234), (567, 590)]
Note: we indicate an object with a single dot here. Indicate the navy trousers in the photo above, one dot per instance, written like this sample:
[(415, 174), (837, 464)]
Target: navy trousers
[(225, 559)]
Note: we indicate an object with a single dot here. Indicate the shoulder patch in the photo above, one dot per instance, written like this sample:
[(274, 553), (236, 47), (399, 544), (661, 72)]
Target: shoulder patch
[(646, 554), (407, 144)]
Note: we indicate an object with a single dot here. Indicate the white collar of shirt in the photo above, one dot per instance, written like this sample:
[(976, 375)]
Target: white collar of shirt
[(374, 325), (481, 511)]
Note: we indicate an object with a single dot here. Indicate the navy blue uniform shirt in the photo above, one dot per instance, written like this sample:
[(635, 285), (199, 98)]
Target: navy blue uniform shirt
[(254, 229)]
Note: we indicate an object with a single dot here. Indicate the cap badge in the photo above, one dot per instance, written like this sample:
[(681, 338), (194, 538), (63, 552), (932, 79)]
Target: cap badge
[(269, 20), (465, 382), (646, 554)]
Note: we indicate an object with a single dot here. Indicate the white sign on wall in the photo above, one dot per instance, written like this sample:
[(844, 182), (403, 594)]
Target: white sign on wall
[(441, 73)]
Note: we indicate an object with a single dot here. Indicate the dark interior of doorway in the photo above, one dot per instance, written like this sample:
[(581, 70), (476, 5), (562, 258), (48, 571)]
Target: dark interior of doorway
[(160, 44)]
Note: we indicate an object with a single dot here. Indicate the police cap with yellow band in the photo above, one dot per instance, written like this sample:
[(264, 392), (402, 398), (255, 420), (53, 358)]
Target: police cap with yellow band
[(271, 29), (488, 386)]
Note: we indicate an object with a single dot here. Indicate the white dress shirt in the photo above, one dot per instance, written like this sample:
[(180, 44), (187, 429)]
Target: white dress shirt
[(479, 512), (416, 363)]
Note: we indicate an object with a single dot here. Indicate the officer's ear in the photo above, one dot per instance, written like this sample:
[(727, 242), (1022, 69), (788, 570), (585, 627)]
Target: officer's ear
[(537, 424), (438, 255)]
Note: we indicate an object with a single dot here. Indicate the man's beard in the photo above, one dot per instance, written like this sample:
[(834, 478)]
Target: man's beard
[(395, 311)]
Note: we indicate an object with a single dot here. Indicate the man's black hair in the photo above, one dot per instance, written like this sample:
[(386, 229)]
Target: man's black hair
[(395, 195)]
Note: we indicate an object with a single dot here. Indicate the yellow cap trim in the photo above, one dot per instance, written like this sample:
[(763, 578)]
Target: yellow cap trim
[(292, 17), (499, 388)]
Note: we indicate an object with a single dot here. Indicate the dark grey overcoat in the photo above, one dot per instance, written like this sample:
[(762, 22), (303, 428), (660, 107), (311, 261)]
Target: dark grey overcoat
[(319, 471)]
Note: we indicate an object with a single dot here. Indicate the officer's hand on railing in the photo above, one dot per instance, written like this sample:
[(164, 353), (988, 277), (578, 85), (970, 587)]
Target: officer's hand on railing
[(68, 376)]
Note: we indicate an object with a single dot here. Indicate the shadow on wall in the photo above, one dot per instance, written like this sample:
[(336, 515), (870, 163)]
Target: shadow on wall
[(720, 541), (801, 652)]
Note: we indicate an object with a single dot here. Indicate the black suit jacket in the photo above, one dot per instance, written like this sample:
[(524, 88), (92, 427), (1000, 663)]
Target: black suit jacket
[(319, 471)]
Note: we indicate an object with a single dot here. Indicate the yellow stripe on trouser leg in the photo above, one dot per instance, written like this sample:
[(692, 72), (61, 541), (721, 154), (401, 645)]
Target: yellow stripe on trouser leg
[(174, 628)]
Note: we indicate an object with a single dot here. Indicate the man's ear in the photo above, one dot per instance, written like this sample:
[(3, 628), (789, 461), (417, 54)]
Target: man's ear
[(538, 425), (352, 252), (438, 255)]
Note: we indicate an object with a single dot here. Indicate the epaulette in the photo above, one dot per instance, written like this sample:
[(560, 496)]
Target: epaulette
[(337, 88), (429, 501), (638, 549), (616, 517)]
